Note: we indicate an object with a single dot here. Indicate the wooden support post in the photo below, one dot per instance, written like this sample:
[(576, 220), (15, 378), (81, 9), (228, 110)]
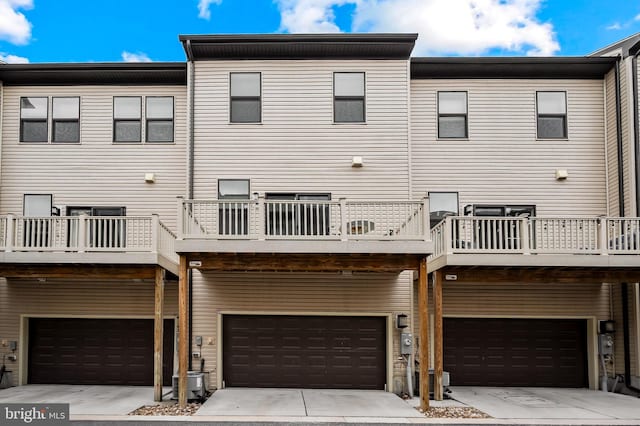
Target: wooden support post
[(438, 391), (183, 335), (423, 314), (158, 334)]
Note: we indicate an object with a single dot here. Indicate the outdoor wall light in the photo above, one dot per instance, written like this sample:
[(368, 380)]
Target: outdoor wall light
[(607, 327), (149, 177), (562, 174), (402, 321), (357, 162)]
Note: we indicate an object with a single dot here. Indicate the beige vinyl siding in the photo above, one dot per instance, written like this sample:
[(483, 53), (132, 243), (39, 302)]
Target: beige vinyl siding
[(95, 172), (297, 147), (69, 298), (502, 161), (295, 293), (612, 145), (521, 300)]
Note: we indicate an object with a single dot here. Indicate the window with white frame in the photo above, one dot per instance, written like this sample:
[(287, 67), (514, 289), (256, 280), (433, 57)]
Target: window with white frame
[(349, 97), (127, 119), (66, 119), (245, 99), (159, 116), (34, 112), (552, 115), (452, 115)]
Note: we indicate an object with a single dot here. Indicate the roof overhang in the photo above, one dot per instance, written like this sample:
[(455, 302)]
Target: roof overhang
[(298, 46), (122, 73), (512, 67)]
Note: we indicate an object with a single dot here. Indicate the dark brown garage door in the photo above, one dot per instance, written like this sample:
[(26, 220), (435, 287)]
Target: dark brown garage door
[(516, 352), (318, 352), (96, 351)]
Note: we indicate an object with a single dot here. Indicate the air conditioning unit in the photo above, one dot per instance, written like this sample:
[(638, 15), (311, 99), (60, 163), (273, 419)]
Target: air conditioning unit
[(196, 387), (445, 381)]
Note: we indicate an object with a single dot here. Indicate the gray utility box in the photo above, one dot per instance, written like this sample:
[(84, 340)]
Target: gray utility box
[(195, 385)]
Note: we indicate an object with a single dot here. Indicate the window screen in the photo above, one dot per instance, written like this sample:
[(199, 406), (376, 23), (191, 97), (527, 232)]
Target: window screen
[(245, 97), (348, 97), (66, 119), (552, 115), (159, 114), (33, 119), (452, 115), (127, 112)]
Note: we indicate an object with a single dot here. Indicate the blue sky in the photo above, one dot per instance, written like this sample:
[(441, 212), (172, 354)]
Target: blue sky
[(141, 30)]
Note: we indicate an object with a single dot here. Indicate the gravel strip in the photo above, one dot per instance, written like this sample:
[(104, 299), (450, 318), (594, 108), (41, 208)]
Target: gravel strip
[(455, 413), (168, 409)]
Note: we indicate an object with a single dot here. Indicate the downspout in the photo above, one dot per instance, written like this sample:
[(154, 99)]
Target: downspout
[(621, 212), (636, 151), (625, 287), (636, 128), (190, 180)]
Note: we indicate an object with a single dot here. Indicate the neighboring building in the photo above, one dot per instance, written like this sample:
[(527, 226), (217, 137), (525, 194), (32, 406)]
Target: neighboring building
[(314, 171)]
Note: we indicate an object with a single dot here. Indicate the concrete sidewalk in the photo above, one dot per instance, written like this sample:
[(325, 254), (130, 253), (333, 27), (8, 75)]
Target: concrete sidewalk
[(549, 403), (306, 402)]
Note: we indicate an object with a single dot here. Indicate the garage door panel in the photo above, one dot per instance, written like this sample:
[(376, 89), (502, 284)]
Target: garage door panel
[(304, 351), (515, 352), (95, 351)]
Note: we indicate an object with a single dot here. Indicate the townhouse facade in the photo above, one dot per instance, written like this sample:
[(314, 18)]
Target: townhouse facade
[(292, 210)]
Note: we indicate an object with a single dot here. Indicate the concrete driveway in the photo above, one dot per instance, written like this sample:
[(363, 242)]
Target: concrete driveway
[(306, 403), (83, 400), (549, 403)]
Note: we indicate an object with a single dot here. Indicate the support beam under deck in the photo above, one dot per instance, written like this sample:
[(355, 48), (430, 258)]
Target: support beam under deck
[(183, 332), (423, 314), (438, 391), (158, 334)]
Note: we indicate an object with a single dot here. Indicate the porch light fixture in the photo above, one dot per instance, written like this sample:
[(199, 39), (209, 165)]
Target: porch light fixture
[(149, 177), (607, 327), (357, 162), (402, 321)]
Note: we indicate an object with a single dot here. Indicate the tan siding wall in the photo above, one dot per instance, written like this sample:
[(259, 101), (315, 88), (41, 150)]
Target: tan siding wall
[(76, 298), (297, 137), (295, 293), (611, 145), (502, 162), (522, 299), (95, 172)]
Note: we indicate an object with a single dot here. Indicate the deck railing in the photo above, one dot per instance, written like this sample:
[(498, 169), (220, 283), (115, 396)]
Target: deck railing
[(264, 219), (536, 235), (86, 234)]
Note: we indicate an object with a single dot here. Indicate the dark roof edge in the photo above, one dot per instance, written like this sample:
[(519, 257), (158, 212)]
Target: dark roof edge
[(89, 66), (294, 38), (564, 67), (95, 73)]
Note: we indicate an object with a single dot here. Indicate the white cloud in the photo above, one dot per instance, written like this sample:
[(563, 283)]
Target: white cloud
[(13, 59), (14, 26), (135, 57), (614, 26), (637, 17), (465, 27), (309, 16), (203, 8)]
